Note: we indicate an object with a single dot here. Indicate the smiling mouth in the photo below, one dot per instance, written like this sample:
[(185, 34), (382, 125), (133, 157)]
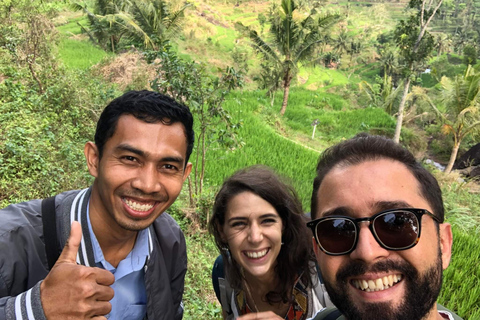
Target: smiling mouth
[(256, 254), (377, 284), (139, 206)]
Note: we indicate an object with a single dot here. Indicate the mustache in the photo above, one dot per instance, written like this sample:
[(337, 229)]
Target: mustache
[(154, 196), (357, 268)]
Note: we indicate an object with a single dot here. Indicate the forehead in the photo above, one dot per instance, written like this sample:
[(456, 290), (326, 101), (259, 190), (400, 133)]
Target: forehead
[(248, 204), (149, 137), (365, 187)]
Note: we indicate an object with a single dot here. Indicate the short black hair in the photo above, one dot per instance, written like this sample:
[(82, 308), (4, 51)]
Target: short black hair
[(296, 252), (148, 106), (364, 147)]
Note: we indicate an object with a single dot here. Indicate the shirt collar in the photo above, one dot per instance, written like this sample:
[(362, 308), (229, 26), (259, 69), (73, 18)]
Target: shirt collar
[(138, 255)]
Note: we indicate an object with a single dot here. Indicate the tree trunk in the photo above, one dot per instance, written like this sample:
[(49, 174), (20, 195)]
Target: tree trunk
[(401, 108), (286, 91), (453, 156), (204, 152), (35, 77), (190, 192)]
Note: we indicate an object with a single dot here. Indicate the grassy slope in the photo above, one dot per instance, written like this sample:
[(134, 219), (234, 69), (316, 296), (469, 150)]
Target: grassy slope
[(286, 145)]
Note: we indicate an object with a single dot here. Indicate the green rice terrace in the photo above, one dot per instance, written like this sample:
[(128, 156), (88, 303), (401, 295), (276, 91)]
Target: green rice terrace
[(61, 62)]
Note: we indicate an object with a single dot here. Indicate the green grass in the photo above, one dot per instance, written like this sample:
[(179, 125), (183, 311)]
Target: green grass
[(77, 54), (72, 27), (461, 291)]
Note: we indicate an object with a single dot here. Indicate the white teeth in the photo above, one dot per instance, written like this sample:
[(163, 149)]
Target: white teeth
[(377, 284), (256, 255), (138, 206)]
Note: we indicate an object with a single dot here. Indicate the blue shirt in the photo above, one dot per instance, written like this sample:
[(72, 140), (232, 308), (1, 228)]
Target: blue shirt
[(130, 297)]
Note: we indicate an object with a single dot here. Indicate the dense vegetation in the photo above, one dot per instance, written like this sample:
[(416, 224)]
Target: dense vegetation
[(55, 78)]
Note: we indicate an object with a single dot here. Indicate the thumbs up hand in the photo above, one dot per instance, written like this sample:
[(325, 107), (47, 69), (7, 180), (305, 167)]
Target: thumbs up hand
[(72, 291)]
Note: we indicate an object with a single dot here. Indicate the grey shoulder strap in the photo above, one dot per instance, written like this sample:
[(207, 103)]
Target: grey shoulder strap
[(330, 313), (225, 294)]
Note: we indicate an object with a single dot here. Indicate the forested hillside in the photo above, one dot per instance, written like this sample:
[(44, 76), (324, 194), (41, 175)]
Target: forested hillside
[(258, 96)]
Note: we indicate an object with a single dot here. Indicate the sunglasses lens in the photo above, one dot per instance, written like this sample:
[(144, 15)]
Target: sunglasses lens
[(336, 235), (397, 229)]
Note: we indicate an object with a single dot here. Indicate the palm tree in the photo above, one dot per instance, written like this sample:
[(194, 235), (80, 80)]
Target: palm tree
[(461, 99), (142, 21), (292, 41), (384, 96), (157, 20)]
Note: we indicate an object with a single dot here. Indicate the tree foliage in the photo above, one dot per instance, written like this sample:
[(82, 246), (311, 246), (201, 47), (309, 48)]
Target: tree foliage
[(143, 23), (190, 83), (415, 44), (291, 41), (460, 109)]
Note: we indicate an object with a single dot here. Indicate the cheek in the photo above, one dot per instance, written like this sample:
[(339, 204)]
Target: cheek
[(329, 266), (234, 239)]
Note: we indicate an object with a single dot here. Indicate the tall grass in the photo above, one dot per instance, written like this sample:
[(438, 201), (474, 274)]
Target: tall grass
[(461, 291)]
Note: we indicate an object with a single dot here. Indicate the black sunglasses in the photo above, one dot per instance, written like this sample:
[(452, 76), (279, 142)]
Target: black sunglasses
[(394, 229)]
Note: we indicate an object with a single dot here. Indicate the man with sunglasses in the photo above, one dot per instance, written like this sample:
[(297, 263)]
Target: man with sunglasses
[(379, 232)]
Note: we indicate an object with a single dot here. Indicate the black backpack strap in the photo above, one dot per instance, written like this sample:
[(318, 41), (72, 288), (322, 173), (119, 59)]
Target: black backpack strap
[(50, 231)]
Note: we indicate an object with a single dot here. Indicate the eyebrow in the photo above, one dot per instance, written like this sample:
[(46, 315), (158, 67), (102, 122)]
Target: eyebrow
[(129, 148), (338, 211), (387, 205), (376, 207), (263, 216)]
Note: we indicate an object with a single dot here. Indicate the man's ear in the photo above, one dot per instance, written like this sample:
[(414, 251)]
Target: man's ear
[(446, 239), (93, 158), (186, 172)]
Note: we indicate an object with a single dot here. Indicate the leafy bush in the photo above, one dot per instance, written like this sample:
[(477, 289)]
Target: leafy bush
[(43, 134)]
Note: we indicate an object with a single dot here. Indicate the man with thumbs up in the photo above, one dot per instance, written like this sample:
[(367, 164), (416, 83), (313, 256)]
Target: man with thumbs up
[(116, 254)]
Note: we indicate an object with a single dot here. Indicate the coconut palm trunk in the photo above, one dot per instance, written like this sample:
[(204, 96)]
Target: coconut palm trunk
[(286, 90), (401, 108), (453, 155)]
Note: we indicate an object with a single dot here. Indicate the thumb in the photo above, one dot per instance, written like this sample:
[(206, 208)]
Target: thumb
[(69, 253)]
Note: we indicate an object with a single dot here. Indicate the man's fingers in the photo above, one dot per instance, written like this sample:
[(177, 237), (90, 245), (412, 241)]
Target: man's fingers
[(69, 253), (102, 308), (104, 277), (104, 293)]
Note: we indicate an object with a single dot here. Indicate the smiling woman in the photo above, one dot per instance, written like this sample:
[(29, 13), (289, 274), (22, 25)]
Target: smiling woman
[(265, 246)]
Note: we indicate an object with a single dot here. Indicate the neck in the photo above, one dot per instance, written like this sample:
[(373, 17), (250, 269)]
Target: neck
[(116, 243), (256, 290), (262, 285)]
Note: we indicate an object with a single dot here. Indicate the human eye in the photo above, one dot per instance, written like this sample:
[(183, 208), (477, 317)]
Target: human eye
[(169, 168), (269, 221), (237, 224), (128, 158)]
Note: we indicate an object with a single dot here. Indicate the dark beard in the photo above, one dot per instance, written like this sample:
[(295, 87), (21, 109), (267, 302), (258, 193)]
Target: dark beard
[(421, 294)]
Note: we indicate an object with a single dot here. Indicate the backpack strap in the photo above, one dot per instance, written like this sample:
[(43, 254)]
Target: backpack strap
[(330, 313), (50, 231), (224, 291)]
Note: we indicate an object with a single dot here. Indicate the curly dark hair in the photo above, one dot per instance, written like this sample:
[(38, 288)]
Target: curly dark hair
[(296, 252)]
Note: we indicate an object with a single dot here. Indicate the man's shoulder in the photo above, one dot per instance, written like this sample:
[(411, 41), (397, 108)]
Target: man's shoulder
[(447, 313), (329, 313), (166, 227)]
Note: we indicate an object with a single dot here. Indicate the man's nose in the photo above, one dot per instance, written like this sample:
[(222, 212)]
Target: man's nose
[(147, 179), (367, 248)]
